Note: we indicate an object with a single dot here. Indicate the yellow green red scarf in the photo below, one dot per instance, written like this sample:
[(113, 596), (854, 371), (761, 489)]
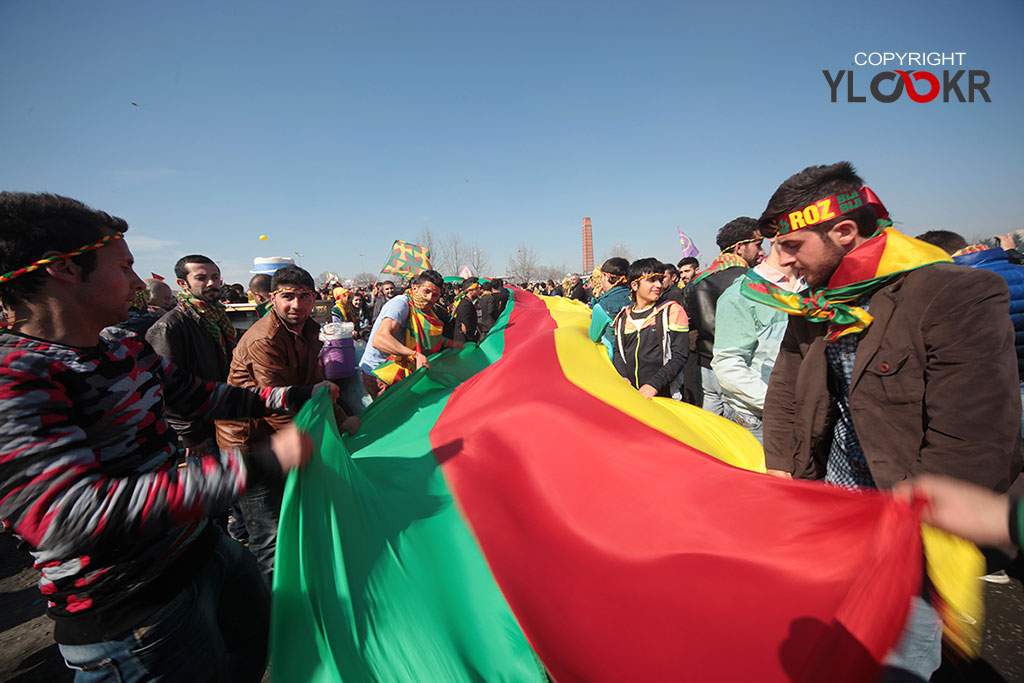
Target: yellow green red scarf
[(863, 271), (971, 249), (424, 332), (214, 319), (721, 262)]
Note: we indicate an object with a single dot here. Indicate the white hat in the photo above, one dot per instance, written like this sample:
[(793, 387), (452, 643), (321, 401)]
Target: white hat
[(269, 265)]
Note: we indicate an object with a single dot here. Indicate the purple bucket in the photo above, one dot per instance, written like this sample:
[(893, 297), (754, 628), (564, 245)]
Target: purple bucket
[(338, 358)]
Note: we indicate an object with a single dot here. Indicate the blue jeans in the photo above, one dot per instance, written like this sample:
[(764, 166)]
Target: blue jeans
[(712, 392), (751, 422), (261, 505), (216, 629), (918, 653)]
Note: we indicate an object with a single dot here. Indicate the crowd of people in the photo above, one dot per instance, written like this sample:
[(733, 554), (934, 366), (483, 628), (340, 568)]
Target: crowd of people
[(147, 438)]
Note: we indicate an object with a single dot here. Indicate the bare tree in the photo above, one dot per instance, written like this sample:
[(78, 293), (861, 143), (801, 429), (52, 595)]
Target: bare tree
[(452, 254), (425, 238), (478, 260), (620, 251), (363, 279), (555, 273), (325, 277), (522, 265)]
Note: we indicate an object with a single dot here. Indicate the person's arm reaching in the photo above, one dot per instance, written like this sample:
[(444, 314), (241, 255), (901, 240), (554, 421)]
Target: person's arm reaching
[(57, 490)]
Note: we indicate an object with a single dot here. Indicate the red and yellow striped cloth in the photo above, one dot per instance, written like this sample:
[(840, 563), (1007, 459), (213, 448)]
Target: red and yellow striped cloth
[(518, 510)]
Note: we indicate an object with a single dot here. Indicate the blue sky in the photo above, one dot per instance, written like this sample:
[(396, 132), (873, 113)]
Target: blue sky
[(335, 128)]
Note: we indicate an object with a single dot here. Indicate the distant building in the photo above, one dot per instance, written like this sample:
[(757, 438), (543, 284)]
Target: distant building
[(588, 247)]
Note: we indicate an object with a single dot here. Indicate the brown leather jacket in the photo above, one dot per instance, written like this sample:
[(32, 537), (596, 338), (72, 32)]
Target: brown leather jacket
[(270, 354), (934, 385)]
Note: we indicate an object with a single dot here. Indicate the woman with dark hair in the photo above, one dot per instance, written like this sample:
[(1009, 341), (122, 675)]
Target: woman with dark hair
[(360, 313)]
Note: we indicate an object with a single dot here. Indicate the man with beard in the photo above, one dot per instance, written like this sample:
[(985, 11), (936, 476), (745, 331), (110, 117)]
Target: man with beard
[(387, 293), (280, 349), (688, 267), (196, 336), (898, 363)]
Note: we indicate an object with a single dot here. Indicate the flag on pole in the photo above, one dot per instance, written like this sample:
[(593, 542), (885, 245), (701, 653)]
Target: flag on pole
[(407, 260), (465, 272), (620, 539), (156, 277), (687, 244)]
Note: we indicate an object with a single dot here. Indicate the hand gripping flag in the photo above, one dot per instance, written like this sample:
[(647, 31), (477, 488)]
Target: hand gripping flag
[(573, 529), (407, 260)]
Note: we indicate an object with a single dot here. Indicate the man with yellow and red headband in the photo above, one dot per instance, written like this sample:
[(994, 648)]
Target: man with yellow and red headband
[(651, 339), (464, 310), (139, 584), (280, 349), (615, 291), (896, 363)]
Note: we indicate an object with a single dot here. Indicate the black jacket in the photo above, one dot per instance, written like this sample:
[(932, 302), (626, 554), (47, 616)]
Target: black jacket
[(579, 293), (700, 304), (180, 338), (490, 305), (465, 321)]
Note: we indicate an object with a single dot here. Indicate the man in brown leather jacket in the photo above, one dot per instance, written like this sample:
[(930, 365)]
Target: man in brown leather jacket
[(280, 349), (899, 363)]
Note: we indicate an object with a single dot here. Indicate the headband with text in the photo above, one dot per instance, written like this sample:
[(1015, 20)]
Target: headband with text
[(829, 208)]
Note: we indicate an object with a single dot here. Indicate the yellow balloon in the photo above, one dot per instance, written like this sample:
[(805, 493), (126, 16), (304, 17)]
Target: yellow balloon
[(263, 238)]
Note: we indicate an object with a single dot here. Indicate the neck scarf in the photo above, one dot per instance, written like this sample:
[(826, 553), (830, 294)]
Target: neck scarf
[(460, 297), (214, 319), (722, 261), (971, 249), (424, 332), (863, 271)]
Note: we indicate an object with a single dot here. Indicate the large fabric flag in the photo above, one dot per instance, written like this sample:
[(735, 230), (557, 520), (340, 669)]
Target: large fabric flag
[(407, 260), (518, 510)]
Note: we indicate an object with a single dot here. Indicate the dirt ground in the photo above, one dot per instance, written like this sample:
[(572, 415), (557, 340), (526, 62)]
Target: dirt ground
[(27, 650), (29, 655)]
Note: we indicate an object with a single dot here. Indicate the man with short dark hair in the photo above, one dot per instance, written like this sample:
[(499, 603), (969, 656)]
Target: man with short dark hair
[(407, 330), (488, 303), (500, 293), (280, 349), (197, 336), (897, 364), (741, 250), (671, 289), (688, 267), (259, 288), (387, 293), (140, 586)]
